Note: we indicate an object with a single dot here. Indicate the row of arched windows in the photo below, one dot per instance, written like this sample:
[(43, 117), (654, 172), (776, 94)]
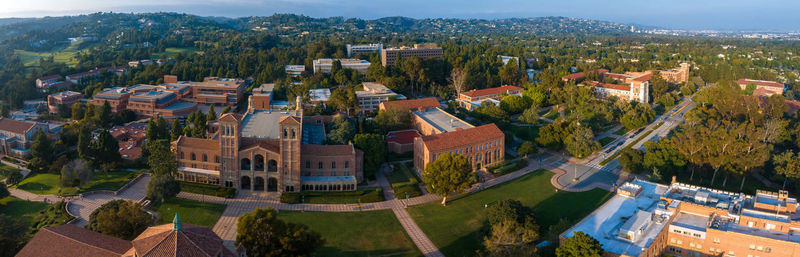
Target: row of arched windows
[(204, 158)]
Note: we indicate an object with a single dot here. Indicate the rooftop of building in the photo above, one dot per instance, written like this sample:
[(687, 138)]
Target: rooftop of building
[(491, 91), (416, 46), (691, 221), (294, 67), (342, 60), (200, 143), (179, 239), (112, 93), (71, 240), (763, 83), (153, 95), (609, 86), (66, 94), (327, 150), (313, 133), (15, 126), (706, 196), (264, 89), (179, 105), (462, 137), (319, 94), (442, 120), (375, 88), (263, 124), (420, 103), (50, 77), (402, 137), (620, 212)]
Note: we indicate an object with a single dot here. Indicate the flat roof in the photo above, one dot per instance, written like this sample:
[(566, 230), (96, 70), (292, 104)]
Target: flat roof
[(179, 105), (263, 124), (442, 120), (691, 221), (319, 94), (605, 222)]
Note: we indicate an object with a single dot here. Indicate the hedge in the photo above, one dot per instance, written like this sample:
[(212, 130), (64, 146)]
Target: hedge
[(506, 167), (366, 195), (212, 190)]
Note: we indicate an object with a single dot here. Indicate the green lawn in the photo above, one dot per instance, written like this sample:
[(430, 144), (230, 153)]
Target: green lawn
[(457, 229), (190, 211), (64, 55), (19, 208), (528, 133), (5, 170), (362, 195), (48, 183), (174, 51), (404, 181), (372, 233), (621, 131), (606, 140)]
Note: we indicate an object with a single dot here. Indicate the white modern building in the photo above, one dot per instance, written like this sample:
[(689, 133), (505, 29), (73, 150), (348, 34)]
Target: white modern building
[(363, 49), (324, 65), (295, 70), (374, 94)]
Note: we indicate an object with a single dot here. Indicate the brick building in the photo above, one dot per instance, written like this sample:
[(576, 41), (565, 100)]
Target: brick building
[(264, 150), (423, 51), (766, 88), (474, 98), (676, 75), (212, 90), (646, 219), (146, 100), (483, 146), (16, 137), (401, 141), (66, 97), (324, 65)]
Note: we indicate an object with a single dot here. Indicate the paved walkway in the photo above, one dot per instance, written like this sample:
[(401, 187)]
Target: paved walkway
[(25, 195), (82, 207)]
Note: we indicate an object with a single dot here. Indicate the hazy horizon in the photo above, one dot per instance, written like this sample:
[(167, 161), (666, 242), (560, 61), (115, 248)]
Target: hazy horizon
[(766, 15)]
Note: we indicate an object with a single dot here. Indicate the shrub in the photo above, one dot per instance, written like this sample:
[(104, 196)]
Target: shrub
[(412, 189), (211, 190)]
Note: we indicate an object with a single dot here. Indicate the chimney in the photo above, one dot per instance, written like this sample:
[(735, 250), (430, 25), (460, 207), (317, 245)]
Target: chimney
[(674, 179)]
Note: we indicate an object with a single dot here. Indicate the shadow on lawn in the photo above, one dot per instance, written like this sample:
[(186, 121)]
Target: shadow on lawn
[(34, 186), (333, 251)]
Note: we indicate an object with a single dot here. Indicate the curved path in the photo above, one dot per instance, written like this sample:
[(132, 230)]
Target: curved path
[(82, 207)]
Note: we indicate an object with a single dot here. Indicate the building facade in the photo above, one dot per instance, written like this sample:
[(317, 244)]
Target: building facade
[(483, 146), (295, 70), (767, 87), (146, 101), (66, 97), (424, 51), (373, 94), (324, 65), (267, 151), (363, 49), (676, 75), (16, 137), (474, 98)]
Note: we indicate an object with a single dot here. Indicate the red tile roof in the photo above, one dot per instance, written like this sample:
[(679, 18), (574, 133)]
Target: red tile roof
[(462, 137), (402, 137), (762, 83), (189, 240), (423, 103), (200, 143), (643, 78), (610, 86), (15, 126), (491, 91), (71, 240), (50, 77), (575, 76)]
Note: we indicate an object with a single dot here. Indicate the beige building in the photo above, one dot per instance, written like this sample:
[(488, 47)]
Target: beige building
[(766, 88), (66, 97), (324, 65), (373, 94), (390, 55), (16, 137)]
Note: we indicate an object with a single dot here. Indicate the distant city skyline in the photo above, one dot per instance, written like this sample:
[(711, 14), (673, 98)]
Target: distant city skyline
[(765, 15)]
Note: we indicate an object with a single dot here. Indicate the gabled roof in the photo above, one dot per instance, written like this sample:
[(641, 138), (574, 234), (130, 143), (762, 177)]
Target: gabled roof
[(402, 137), (762, 83), (289, 119), (201, 143), (491, 91), (267, 144), (182, 240), (421, 103), (15, 126), (71, 240), (231, 117), (610, 86), (461, 137), (50, 77)]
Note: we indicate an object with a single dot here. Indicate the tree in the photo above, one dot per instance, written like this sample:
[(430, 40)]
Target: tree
[(491, 113), (513, 104), (77, 111), (510, 73), (631, 159), (41, 152), (394, 119), (261, 233), (76, 173), (513, 229), (162, 187), (787, 164), (3, 191), (162, 159), (534, 95), (530, 115), (84, 140), (14, 177), (581, 143), (637, 116), (105, 115), (374, 147), (580, 245), (552, 135), (120, 218), (343, 98), (177, 130), (105, 150), (212, 115), (458, 80), (527, 148), (342, 131), (448, 173), (11, 231)]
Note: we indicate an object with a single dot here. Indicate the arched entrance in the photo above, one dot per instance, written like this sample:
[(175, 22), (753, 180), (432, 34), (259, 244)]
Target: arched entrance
[(272, 166), (245, 182), (245, 164), (258, 185), (258, 162), (272, 185)]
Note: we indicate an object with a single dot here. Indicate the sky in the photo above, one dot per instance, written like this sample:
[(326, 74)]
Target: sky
[(764, 15)]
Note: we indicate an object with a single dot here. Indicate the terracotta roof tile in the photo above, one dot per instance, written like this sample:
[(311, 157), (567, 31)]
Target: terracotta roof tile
[(269, 144), (15, 126), (190, 240), (402, 137), (423, 103), (610, 86), (462, 137), (202, 143), (762, 83), (71, 240), (491, 91)]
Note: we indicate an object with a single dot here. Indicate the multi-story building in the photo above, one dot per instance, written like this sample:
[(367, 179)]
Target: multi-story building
[(319, 96), (390, 55), (646, 219), (67, 98), (373, 95), (474, 98), (412, 104), (401, 141), (17, 136), (363, 49), (213, 90), (506, 59), (77, 77), (268, 151), (261, 97), (130, 138), (765, 88), (676, 75), (483, 146), (145, 100), (295, 70), (324, 65), (48, 82), (116, 97), (633, 92)]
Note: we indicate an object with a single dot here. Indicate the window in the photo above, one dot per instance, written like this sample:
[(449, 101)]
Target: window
[(319, 165), (752, 247), (346, 173), (285, 133), (696, 235), (308, 164), (760, 248), (194, 157), (205, 157), (181, 154), (216, 158), (320, 173), (333, 165), (293, 134), (333, 173), (716, 240), (770, 226), (680, 242), (346, 164)]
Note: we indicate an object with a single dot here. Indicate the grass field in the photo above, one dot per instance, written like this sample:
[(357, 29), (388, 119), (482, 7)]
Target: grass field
[(174, 51), (526, 133), (5, 170), (64, 55), (190, 211), (551, 115), (48, 183), (373, 233), (457, 229), (404, 181), (18, 208), (621, 131), (606, 140)]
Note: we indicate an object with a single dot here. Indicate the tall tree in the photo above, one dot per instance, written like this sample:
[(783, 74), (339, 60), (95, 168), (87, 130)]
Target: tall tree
[(105, 115), (261, 233), (580, 245), (105, 150), (787, 164), (84, 140), (448, 173), (120, 218), (374, 147), (162, 159), (177, 130), (162, 187), (41, 152), (581, 143), (458, 80)]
